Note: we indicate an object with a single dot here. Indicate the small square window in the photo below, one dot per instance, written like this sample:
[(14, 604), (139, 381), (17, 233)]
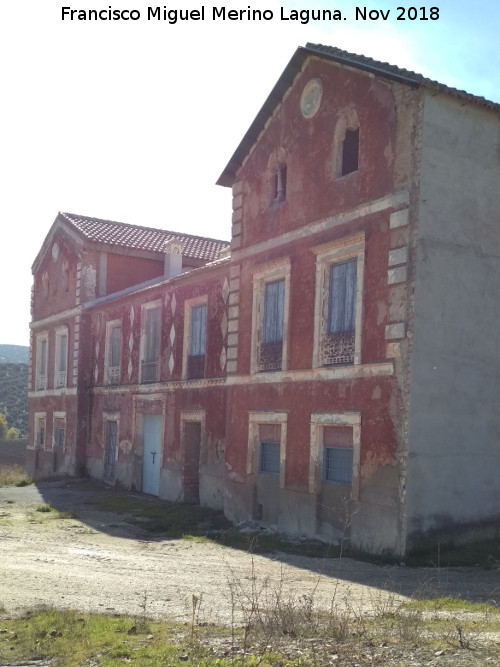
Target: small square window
[(270, 457)]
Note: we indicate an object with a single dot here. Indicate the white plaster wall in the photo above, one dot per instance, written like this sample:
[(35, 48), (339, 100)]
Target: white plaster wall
[(454, 426)]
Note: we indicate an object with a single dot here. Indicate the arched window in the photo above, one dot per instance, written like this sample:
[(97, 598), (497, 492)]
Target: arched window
[(346, 145)]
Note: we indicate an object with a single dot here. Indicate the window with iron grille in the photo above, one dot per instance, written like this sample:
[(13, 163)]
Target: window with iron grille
[(59, 432), (41, 364), (269, 457), (271, 348), (338, 344), (61, 370), (114, 349), (197, 342), (149, 366)]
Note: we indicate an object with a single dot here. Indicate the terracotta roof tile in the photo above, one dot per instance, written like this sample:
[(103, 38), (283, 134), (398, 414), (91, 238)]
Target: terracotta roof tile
[(146, 239)]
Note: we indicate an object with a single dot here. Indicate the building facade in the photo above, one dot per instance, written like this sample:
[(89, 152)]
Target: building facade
[(335, 374)]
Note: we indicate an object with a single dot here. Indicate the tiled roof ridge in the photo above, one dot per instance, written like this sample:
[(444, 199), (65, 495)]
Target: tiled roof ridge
[(394, 70), (72, 217)]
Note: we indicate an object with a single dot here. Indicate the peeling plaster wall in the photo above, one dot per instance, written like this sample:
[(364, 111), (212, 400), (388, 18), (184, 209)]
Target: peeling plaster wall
[(455, 420)]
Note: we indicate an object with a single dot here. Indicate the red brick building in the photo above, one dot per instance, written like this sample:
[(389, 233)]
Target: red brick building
[(314, 378)]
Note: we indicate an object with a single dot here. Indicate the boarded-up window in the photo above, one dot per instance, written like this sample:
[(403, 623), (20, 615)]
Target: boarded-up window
[(338, 454), (350, 151)]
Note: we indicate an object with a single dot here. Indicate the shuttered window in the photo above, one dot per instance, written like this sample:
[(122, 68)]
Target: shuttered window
[(342, 297), (274, 300)]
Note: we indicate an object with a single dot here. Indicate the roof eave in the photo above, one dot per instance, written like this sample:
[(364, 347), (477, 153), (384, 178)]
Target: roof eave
[(228, 176)]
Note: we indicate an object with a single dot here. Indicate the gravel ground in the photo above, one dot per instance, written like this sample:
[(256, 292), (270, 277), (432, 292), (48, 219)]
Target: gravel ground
[(97, 562)]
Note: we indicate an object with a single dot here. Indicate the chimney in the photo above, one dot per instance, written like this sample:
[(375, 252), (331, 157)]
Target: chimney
[(173, 259)]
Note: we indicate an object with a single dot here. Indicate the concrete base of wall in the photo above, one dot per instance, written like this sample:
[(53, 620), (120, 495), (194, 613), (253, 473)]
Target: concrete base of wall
[(171, 485), (41, 464)]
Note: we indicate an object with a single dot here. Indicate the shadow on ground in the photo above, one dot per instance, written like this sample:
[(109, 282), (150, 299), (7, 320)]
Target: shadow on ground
[(85, 499)]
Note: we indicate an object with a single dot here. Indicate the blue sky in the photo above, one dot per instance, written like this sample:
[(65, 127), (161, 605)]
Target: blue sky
[(134, 121)]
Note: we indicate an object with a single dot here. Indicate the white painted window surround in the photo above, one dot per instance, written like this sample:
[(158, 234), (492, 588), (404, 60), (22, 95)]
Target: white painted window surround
[(255, 420), (320, 420)]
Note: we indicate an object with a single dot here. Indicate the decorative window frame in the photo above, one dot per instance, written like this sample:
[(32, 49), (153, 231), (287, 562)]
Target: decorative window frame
[(332, 253), (279, 270), (61, 375), (58, 417), (318, 421), (189, 305), (152, 305), (40, 420), (255, 419), (41, 378), (112, 374)]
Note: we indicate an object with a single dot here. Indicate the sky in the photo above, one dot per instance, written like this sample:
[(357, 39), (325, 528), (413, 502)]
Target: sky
[(135, 120)]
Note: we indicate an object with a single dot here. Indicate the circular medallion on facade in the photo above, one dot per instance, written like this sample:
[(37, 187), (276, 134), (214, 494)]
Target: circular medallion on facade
[(311, 98), (55, 251)]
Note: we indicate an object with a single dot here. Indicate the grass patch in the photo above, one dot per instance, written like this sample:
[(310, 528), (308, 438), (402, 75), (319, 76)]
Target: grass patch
[(276, 631), (171, 519), (14, 475)]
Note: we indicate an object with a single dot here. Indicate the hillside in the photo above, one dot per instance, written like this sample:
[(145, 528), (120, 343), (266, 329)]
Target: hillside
[(14, 394), (14, 354)]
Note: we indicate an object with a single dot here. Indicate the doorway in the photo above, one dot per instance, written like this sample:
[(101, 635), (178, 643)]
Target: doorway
[(152, 427), (192, 450)]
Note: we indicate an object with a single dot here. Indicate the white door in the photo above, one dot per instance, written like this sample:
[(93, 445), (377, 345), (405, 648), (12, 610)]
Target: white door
[(152, 453)]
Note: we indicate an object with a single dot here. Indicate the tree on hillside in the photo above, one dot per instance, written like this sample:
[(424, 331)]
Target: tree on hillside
[(3, 427), (12, 434)]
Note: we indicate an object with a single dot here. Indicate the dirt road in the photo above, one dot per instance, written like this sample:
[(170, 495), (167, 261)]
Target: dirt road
[(97, 562)]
